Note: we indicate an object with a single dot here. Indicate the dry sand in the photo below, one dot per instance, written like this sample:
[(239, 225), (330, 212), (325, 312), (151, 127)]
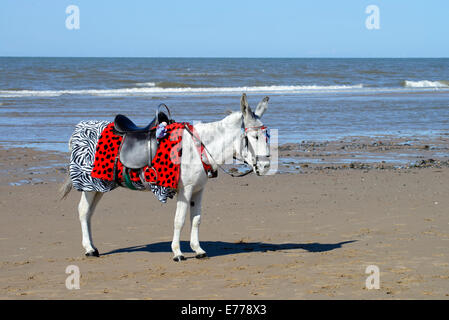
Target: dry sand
[(289, 236)]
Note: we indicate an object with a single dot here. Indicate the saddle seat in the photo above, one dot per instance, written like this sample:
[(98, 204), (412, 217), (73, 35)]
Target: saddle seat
[(124, 125), (139, 145)]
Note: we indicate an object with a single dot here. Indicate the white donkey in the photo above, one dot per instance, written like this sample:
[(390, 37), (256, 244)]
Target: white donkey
[(240, 135)]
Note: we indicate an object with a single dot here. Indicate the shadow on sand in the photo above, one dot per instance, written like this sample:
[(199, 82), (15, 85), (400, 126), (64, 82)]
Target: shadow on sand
[(220, 248)]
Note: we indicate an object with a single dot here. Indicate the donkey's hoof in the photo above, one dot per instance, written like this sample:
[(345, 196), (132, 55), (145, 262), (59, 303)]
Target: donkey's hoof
[(94, 253), (179, 258), (201, 255)]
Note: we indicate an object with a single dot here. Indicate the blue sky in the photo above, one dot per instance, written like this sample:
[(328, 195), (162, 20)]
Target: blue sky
[(146, 28)]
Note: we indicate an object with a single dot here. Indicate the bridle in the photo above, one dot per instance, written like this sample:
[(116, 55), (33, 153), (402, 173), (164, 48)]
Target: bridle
[(248, 147)]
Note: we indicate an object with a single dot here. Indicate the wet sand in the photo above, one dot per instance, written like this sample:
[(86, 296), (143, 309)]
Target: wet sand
[(386, 152), (289, 236)]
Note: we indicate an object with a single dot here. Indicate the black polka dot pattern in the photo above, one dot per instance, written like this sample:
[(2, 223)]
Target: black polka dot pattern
[(166, 163), (108, 146)]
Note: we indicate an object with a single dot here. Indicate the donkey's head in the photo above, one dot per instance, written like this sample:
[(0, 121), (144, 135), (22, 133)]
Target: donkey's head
[(255, 149)]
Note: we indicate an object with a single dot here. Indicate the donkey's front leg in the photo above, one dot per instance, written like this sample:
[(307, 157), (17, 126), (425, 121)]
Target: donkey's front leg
[(182, 206), (86, 207), (195, 220)]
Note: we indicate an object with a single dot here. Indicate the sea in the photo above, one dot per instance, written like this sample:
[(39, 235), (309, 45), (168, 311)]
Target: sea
[(311, 99)]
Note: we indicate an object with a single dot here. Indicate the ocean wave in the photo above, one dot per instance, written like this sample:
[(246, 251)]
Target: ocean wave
[(166, 84), (28, 93), (425, 84), (146, 84), (174, 85), (154, 90)]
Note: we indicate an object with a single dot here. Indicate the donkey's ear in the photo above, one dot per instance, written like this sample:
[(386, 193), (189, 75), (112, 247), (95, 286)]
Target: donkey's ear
[(262, 107), (244, 106)]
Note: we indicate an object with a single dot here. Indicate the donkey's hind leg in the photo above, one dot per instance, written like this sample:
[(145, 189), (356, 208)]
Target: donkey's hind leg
[(184, 195), (195, 220), (86, 207)]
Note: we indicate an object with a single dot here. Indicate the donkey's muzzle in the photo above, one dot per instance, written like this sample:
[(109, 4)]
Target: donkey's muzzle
[(262, 165)]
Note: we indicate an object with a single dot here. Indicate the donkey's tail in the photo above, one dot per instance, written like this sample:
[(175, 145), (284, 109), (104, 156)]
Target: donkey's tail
[(66, 186)]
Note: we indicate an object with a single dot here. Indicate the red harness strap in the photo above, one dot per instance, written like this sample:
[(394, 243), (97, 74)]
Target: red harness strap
[(211, 173)]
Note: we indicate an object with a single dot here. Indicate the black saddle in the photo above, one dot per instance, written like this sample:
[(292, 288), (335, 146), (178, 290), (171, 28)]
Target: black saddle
[(139, 144), (124, 125)]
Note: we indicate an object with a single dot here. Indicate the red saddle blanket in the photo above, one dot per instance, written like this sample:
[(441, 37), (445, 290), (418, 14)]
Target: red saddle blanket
[(164, 170)]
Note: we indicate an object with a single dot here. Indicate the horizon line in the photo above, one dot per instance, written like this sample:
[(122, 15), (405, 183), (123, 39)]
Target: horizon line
[(232, 57)]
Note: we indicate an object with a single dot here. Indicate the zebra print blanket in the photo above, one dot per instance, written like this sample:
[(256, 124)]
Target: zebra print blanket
[(83, 144)]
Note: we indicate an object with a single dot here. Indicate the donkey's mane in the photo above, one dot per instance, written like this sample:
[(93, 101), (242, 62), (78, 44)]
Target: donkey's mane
[(232, 118), (227, 121)]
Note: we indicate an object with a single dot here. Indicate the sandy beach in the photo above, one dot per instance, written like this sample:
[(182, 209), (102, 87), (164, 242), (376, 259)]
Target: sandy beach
[(346, 104), (309, 235)]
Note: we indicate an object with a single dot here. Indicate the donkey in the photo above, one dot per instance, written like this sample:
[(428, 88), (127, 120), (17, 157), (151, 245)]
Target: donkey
[(241, 135)]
